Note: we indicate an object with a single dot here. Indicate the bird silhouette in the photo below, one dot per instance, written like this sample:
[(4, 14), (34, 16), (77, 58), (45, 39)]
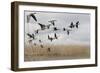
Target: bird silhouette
[(48, 26), (31, 35), (37, 31), (40, 41), (55, 29), (68, 31), (55, 36), (52, 22), (64, 29), (77, 24), (71, 25), (42, 26), (33, 16), (50, 38)]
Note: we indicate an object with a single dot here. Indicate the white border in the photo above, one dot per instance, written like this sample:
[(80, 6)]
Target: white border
[(23, 64)]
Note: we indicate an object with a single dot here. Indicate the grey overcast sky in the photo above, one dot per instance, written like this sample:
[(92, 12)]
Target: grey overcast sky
[(76, 36)]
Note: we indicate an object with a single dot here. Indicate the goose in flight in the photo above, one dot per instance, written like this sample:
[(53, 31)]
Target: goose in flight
[(71, 25), (31, 15), (77, 24), (52, 22), (50, 38), (36, 31), (43, 27), (55, 36), (64, 29), (55, 29), (31, 36), (68, 31)]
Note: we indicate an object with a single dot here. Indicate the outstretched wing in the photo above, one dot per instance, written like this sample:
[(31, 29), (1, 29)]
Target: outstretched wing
[(33, 16), (29, 35), (42, 26)]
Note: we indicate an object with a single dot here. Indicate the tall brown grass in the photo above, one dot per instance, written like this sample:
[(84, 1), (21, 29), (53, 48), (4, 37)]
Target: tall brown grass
[(57, 52)]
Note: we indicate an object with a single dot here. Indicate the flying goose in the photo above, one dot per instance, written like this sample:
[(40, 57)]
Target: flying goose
[(52, 22)]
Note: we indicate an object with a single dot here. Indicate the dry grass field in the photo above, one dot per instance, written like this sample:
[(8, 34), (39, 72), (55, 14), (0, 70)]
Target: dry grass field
[(59, 52)]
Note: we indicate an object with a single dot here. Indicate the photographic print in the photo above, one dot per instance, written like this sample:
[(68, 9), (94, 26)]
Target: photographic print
[(52, 36), (56, 36)]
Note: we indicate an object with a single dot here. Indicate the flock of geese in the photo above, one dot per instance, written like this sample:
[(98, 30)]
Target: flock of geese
[(44, 27)]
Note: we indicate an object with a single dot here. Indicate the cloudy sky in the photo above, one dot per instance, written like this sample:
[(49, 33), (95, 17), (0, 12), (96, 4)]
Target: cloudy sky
[(76, 36)]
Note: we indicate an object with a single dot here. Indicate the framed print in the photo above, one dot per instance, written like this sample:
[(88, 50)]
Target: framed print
[(52, 36)]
